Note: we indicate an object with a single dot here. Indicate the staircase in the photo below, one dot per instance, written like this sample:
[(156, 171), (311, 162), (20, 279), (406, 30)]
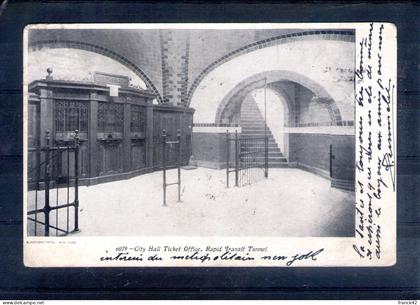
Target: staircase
[(252, 123)]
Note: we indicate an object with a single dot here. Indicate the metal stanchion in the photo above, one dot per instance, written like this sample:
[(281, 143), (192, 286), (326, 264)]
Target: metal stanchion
[(332, 157), (266, 156), (236, 158), (178, 136), (227, 157), (76, 181), (164, 165), (178, 183), (47, 207)]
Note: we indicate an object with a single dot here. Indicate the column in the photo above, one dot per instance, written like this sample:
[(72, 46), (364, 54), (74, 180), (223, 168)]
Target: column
[(127, 138), (175, 54), (92, 136), (46, 115), (149, 135)]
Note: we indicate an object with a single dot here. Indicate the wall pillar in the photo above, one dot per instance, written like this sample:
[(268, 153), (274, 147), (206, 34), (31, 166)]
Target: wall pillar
[(92, 135), (149, 135), (46, 115), (175, 54), (127, 137)]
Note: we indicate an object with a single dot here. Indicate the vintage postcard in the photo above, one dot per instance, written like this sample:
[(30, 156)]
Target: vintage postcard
[(210, 145)]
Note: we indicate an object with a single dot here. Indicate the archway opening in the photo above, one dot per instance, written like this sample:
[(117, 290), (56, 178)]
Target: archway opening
[(289, 105), (272, 104)]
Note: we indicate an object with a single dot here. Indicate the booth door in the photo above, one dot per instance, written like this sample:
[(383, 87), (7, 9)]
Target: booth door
[(170, 123)]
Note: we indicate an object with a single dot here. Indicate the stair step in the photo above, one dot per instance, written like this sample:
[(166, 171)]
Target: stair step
[(270, 146), (270, 149), (270, 153), (279, 165), (257, 135), (253, 126), (272, 159), (255, 130), (254, 121), (260, 138)]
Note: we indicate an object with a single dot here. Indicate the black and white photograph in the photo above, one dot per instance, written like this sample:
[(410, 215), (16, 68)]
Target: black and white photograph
[(196, 132), (209, 151)]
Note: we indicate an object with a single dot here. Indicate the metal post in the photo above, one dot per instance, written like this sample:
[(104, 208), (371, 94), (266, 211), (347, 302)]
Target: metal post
[(38, 180), (265, 107), (164, 165), (265, 130), (68, 190), (244, 144), (227, 157), (332, 157), (47, 207), (179, 164), (266, 157), (76, 181), (236, 158)]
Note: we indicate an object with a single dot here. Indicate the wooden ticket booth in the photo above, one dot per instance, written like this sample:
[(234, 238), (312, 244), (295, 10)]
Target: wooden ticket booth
[(119, 126)]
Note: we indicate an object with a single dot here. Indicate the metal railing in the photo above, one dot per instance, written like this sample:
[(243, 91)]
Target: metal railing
[(51, 186), (165, 144), (250, 159)]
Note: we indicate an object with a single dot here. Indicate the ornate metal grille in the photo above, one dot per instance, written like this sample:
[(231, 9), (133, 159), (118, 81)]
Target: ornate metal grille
[(49, 205), (137, 118), (70, 116), (110, 117), (250, 158)]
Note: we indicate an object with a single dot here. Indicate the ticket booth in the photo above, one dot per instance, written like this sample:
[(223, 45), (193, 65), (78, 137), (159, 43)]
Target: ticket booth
[(119, 126)]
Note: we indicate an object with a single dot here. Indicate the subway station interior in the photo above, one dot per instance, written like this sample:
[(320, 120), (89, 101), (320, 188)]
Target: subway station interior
[(121, 91)]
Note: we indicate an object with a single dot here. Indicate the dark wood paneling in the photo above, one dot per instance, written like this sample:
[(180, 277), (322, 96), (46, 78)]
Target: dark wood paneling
[(138, 154), (117, 134), (109, 157), (171, 122)]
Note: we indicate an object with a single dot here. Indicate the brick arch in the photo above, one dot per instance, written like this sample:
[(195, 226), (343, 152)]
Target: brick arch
[(258, 80), (340, 35), (102, 51), (235, 102)]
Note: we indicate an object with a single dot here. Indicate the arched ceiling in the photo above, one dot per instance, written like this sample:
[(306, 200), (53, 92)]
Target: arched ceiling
[(143, 48), (140, 48)]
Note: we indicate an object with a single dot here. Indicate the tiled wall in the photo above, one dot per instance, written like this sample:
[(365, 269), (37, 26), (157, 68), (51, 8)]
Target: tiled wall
[(209, 149), (175, 53), (312, 152)]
